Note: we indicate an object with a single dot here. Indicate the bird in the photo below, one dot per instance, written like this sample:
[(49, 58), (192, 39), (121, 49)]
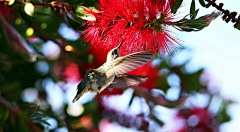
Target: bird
[(112, 73)]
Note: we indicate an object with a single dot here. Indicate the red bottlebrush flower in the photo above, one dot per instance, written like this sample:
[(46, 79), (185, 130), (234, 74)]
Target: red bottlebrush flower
[(109, 91), (197, 119), (67, 71), (99, 57), (71, 72), (140, 24)]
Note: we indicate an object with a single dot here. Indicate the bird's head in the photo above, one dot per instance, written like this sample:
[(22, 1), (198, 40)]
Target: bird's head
[(82, 88), (84, 85)]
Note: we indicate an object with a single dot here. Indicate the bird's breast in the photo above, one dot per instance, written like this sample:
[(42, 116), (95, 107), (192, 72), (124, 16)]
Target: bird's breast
[(100, 84), (94, 87)]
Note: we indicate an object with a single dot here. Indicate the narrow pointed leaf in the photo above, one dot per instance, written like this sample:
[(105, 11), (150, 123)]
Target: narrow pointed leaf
[(202, 3), (198, 24), (131, 100), (4, 116), (192, 9), (159, 122), (176, 6), (195, 14), (238, 26), (74, 23)]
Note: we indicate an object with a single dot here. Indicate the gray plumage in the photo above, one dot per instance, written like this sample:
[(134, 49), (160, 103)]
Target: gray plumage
[(112, 73)]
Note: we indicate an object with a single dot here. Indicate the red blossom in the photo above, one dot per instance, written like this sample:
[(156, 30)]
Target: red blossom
[(71, 72), (67, 71), (205, 123), (108, 92), (99, 57), (138, 23)]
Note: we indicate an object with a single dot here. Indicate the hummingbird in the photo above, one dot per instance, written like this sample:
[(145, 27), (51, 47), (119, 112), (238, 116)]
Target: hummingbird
[(112, 73)]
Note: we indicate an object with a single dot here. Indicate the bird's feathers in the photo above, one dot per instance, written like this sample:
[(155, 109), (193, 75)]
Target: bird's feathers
[(112, 72), (123, 81), (127, 63)]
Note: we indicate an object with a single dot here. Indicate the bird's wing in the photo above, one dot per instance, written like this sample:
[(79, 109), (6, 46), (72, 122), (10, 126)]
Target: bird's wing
[(123, 81), (128, 63), (114, 53)]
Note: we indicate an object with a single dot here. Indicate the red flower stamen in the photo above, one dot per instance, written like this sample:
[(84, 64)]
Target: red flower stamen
[(140, 24)]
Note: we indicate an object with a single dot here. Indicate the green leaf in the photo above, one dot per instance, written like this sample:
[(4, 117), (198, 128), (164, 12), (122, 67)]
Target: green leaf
[(176, 6), (4, 116), (11, 2), (202, 3), (198, 24), (92, 107), (192, 9), (195, 14), (211, 16), (193, 84), (77, 2), (222, 115), (10, 86), (238, 26), (188, 29), (131, 100), (74, 23), (41, 120), (90, 2), (159, 122), (24, 16), (163, 83), (43, 14), (81, 13)]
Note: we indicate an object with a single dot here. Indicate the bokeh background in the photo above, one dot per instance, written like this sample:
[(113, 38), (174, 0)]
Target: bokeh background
[(194, 90), (215, 50)]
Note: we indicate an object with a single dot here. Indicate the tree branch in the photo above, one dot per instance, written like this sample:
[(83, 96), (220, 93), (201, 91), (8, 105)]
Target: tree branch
[(16, 111), (228, 16), (54, 7)]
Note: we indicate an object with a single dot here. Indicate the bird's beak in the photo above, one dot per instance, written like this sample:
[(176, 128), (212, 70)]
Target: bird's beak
[(81, 90), (120, 44)]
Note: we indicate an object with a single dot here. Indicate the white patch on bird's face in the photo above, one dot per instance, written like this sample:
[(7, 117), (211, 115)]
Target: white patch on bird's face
[(94, 86)]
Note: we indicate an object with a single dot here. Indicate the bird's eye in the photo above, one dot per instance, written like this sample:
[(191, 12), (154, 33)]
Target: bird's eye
[(90, 76), (114, 52)]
